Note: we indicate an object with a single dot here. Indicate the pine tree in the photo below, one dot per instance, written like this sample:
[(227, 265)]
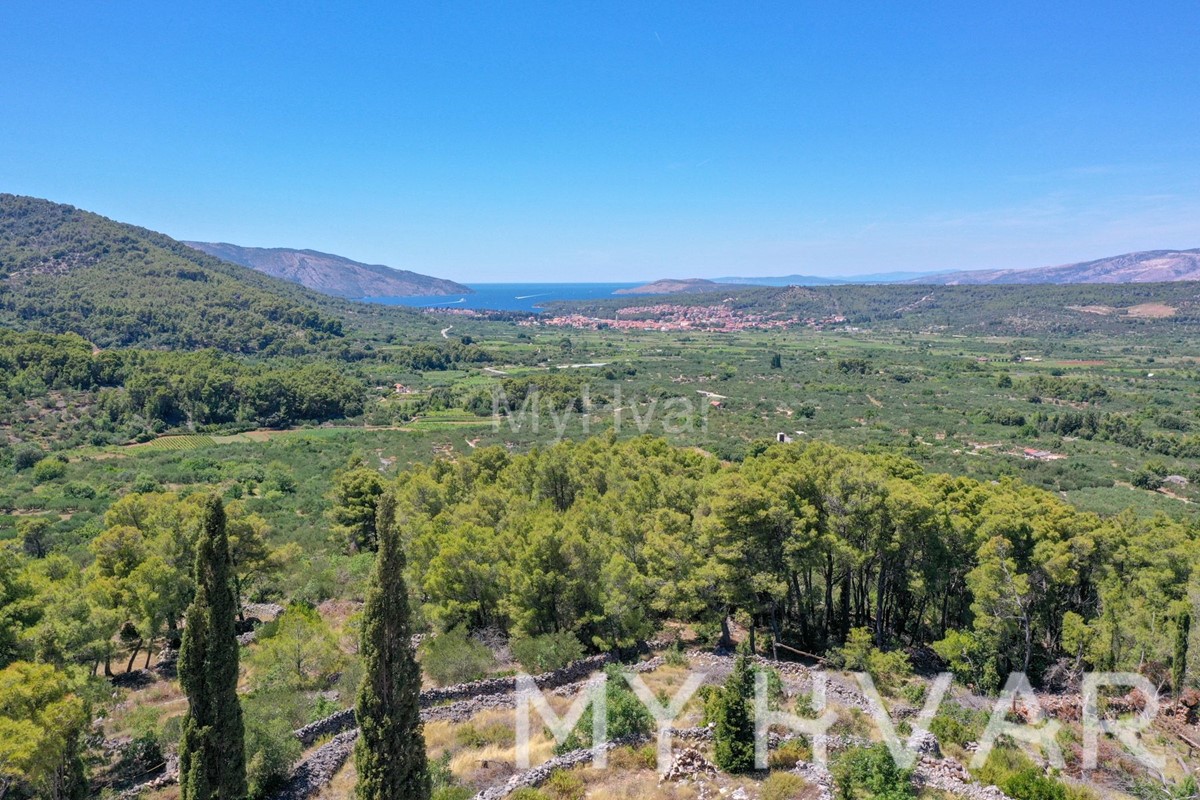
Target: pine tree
[(734, 733), (212, 758), (390, 753)]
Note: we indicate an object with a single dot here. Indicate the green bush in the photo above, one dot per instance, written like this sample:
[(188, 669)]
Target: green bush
[(271, 750), (25, 458), (957, 725), (859, 654), (775, 691), (454, 657), (79, 490), (871, 772), (1014, 773), (48, 469), (546, 652), (626, 714)]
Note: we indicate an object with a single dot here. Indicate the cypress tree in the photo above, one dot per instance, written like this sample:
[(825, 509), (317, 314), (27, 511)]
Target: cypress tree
[(212, 758), (390, 752), (733, 736), (1183, 630)]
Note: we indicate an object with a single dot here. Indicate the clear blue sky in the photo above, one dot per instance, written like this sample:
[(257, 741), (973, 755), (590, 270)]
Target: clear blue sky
[(605, 141)]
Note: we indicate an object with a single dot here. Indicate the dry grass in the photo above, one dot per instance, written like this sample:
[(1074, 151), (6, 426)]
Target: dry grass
[(666, 681), (641, 785), (1150, 311)]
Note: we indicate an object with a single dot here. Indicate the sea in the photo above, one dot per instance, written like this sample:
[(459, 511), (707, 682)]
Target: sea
[(510, 296)]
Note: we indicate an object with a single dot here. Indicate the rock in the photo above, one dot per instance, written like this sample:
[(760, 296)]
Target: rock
[(689, 764), (818, 776), (926, 744)]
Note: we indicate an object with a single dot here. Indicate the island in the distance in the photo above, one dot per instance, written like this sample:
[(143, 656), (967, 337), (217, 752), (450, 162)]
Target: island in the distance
[(675, 286)]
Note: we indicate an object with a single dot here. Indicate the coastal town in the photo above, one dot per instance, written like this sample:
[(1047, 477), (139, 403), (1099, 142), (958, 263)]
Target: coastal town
[(666, 317)]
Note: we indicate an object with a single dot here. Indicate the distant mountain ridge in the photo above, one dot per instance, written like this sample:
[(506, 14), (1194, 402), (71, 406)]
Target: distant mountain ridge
[(1148, 266), (331, 274), (674, 286), (818, 280)]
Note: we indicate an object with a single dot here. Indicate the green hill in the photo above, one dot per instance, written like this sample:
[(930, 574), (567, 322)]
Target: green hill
[(67, 270)]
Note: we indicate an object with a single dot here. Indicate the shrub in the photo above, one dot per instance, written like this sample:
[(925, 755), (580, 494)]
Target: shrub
[(454, 657), (871, 771), (26, 458), (528, 794), (675, 657), (854, 654), (1014, 773), (955, 724), (445, 785), (563, 785), (547, 652), (271, 750), (860, 654), (781, 786), (79, 490), (495, 733), (889, 669), (145, 483), (775, 691), (626, 714), (788, 754), (141, 755), (913, 693), (48, 469)]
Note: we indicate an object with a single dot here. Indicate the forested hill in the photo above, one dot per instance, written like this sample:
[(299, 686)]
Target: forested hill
[(67, 270)]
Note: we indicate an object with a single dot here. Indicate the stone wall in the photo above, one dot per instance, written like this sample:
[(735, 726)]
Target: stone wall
[(449, 697), (315, 772)]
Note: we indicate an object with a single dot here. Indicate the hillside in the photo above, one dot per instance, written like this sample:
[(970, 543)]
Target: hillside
[(65, 270), (1150, 266), (330, 274), (673, 286)]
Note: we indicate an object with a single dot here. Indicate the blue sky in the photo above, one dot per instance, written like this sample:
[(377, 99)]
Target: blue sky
[(609, 141)]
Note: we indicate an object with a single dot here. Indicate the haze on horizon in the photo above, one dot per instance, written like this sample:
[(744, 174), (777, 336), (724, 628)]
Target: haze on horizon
[(620, 143)]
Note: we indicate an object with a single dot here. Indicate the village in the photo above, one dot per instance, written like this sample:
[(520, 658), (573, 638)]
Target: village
[(672, 317)]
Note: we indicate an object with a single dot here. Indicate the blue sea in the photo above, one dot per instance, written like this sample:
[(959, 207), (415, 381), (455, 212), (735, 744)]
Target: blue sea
[(510, 296)]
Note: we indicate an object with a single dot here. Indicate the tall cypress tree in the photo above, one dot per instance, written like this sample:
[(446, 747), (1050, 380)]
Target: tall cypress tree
[(390, 752), (212, 757), (1183, 630), (733, 738)]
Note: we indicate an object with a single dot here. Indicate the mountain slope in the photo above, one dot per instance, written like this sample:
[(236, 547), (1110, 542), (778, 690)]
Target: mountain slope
[(1151, 266), (330, 274), (67, 270)]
